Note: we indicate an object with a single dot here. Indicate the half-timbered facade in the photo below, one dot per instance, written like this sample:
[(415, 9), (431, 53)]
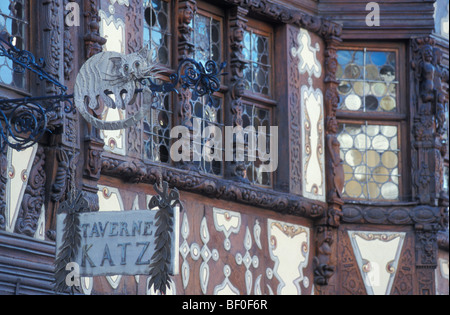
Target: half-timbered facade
[(358, 202)]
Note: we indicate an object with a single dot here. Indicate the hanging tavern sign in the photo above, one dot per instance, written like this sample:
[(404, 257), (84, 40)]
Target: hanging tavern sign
[(116, 243), (141, 242), (110, 79), (106, 80)]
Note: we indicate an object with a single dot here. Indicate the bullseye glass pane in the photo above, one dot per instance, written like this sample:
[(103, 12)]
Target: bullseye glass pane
[(372, 76), (371, 161)]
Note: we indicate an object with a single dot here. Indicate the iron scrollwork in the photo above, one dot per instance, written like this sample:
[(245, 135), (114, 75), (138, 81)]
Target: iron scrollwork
[(24, 121), (202, 79)]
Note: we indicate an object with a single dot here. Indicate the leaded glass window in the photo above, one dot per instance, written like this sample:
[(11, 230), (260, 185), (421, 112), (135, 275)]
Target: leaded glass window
[(372, 122), (371, 161), (256, 117), (208, 114), (13, 21), (368, 80), (207, 37), (157, 131), (157, 33), (257, 52)]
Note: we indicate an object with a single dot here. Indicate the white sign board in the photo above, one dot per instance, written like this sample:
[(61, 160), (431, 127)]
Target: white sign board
[(118, 243)]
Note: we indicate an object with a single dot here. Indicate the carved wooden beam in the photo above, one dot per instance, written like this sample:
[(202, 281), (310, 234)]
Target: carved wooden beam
[(135, 171), (395, 215), (281, 13)]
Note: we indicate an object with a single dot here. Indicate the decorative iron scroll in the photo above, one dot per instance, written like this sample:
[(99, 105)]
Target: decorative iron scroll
[(24, 121)]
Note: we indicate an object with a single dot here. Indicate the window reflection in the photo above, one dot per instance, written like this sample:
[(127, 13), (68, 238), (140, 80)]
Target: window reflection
[(157, 30), (257, 54), (367, 80), (207, 38)]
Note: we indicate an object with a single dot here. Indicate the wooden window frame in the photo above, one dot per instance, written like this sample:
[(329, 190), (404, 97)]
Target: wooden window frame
[(170, 33), (215, 12), (259, 100), (399, 118), (263, 29)]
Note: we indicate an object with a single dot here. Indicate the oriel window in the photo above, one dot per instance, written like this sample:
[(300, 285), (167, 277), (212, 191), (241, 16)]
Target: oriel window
[(371, 123)]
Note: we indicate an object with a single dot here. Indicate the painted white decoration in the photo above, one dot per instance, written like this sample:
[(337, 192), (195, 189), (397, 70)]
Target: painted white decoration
[(227, 222), (135, 205), (313, 144), (257, 234), (19, 168), (206, 255), (377, 254), (114, 31), (226, 287), (184, 251), (444, 267), (196, 252), (87, 284), (248, 261), (258, 285), (289, 248), (307, 55), (114, 139)]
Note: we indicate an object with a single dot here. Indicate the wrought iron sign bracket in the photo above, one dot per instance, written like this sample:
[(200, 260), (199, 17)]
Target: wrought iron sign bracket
[(24, 121)]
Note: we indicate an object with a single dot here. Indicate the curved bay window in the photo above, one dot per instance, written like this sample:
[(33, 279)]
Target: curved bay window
[(14, 22), (371, 122)]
